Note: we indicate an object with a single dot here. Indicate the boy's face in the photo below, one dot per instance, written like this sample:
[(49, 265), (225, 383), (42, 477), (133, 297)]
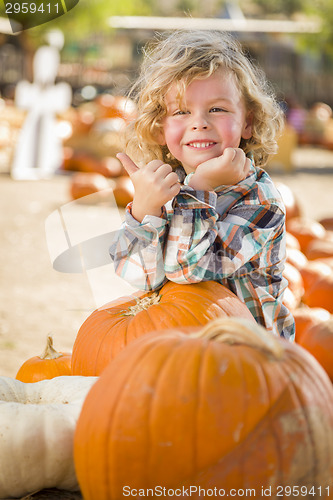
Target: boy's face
[(210, 118)]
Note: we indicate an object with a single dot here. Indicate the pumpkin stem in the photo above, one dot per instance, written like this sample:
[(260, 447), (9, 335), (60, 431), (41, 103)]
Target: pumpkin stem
[(239, 331), (50, 352), (142, 304)]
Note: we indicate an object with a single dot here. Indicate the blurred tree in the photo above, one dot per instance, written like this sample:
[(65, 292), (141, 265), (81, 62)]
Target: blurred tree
[(185, 6), (318, 43), (323, 42), (89, 17), (80, 24), (284, 7)]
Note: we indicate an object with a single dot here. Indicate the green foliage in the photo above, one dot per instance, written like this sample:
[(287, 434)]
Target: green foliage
[(324, 41), (319, 43), (90, 16), (286, 7)]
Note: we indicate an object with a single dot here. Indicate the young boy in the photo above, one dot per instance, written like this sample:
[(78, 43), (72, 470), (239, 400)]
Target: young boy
[(203, 208)]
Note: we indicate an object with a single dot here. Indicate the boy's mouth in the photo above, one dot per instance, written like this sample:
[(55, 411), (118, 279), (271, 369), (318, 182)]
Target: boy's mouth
[(201, 144)]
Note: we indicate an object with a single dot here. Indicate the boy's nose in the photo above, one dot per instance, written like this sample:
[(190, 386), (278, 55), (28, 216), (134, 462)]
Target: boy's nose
[(199, 122), (200, 127)]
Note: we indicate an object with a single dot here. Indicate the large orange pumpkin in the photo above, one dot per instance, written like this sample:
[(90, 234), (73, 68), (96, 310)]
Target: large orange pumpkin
[(49, 365), (318, 340), (228, 407), (109, 329)]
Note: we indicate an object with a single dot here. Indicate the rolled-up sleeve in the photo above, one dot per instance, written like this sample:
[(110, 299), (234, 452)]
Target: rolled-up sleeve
[(137, 251)]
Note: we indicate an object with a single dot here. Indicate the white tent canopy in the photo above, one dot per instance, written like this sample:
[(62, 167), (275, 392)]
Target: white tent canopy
[(192, 23)]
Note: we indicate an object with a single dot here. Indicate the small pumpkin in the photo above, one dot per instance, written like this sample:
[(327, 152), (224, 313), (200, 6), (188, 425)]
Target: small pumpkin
[(37, 423), (314, 271), (110, 106), (321, 248), (320, 294), (81, 119), (48, 365), (292, 241), (318, 340), (110, 328), (80, 161), (290, 300), (326, 260), (327, 222), (291, 203), (306, 230), (230, 406), (296, 258), (123, 190), (113, 166), (306, 317), (86, 183), (295, 281)]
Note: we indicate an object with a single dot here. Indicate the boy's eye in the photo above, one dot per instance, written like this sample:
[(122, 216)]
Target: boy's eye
[(217, 110), (179, 112)]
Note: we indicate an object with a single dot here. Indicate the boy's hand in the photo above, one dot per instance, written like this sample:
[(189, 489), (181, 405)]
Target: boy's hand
[(154, 185), (228, 169)]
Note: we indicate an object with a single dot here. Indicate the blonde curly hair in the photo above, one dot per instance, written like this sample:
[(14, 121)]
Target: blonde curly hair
[(182, 57)]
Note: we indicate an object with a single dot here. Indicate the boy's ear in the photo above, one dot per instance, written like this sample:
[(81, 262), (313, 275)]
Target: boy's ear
[(247, 128)]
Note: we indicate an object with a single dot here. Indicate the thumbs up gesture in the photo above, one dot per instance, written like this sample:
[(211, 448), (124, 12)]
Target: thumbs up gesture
[(154, 185)]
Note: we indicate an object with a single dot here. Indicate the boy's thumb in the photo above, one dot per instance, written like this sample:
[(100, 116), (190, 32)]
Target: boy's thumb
[(127, 163)]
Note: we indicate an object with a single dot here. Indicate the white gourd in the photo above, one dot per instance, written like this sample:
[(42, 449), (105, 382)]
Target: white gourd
[(37, 423)]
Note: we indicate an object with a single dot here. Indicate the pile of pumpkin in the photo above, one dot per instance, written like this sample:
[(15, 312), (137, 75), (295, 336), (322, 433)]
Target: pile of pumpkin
[(11, 122), (175, 389), (309, 271), (89, 151)]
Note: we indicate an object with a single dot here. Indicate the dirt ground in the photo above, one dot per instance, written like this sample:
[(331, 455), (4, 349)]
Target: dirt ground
[(37, 300)]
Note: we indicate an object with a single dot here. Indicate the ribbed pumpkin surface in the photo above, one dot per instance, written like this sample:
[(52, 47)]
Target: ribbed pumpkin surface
[(176, 411), (109, 329)]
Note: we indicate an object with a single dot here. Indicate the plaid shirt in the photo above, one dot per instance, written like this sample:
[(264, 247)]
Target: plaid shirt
[(234, 235)]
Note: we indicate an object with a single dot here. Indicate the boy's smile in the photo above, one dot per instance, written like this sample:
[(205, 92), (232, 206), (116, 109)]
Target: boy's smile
[(210, 117), (201, 144)]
